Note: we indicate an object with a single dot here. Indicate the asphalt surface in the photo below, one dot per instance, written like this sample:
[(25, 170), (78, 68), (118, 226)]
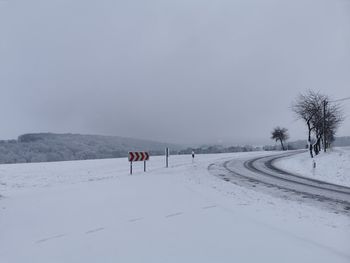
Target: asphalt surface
[(261, 174)]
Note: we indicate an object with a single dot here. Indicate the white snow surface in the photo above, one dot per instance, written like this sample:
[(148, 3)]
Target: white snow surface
[(332, 166), (94, 211)]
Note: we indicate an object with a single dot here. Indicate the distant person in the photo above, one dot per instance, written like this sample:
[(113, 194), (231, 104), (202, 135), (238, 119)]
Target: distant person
[(192, 156)]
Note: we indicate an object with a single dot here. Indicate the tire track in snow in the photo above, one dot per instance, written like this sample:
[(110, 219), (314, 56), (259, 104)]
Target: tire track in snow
[(132, 220), (94, 230), (50, 238), (174, 214), (262, 174)]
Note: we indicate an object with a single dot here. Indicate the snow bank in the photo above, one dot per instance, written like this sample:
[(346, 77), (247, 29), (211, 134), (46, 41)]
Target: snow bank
[(332, 166)]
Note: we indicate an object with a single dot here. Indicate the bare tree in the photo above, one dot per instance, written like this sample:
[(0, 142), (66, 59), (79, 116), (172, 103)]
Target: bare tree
[(322, 124), (308, 107), (333, 117), (280, 134)]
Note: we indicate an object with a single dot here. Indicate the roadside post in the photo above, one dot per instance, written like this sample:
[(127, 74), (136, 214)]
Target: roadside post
[(167, 157), (136, 157)]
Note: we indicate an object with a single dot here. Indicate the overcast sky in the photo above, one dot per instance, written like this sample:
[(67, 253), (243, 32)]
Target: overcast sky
[(183, 71)]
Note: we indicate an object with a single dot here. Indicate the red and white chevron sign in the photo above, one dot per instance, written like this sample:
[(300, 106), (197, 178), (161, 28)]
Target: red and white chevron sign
[(138, 156)]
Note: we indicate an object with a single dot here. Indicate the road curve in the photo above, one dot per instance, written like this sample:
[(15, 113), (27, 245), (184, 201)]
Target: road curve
[(261, 173)]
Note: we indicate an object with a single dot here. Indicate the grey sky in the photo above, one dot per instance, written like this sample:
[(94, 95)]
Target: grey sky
[(191, 71)]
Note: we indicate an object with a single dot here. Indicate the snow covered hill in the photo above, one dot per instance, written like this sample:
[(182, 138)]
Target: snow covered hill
[(48, 147), (94, 211)]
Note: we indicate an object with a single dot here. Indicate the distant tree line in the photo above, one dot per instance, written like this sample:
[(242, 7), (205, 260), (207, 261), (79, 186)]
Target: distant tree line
[(46, 147), (220, 149)]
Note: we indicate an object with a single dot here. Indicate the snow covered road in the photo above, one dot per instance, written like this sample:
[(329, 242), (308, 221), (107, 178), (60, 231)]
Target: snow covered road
[(262, 173), (93, 211)]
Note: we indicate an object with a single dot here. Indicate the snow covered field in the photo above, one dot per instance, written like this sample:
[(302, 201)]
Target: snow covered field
[(332, 166), (94, 211)]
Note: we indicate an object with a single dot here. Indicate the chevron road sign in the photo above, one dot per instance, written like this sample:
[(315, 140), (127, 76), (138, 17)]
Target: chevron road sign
[(138, 157)]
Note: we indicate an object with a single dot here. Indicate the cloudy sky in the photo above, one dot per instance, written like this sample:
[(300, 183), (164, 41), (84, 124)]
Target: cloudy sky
[(183, 71)]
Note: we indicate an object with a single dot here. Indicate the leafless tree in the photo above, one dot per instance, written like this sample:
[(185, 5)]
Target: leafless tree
[(333, 117), (321, 117), (280, 134)]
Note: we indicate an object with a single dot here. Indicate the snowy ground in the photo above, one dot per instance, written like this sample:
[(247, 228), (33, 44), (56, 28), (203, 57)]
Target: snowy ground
[(93, 211), (332, 166)]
